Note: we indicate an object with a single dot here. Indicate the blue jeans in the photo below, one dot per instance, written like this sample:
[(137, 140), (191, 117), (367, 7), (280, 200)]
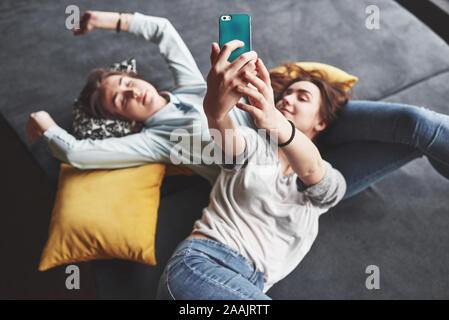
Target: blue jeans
[(371, 139), (206, 269)]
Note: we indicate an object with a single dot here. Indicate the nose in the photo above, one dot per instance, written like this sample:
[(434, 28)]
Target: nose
[(288, 100), (134, 93)]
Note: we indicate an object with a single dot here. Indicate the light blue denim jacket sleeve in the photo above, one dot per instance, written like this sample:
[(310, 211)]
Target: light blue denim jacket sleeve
[(128, 151), (146, 146), (172, 48)]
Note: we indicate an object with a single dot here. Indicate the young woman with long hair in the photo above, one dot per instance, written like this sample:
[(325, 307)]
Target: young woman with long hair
[(263, 213)]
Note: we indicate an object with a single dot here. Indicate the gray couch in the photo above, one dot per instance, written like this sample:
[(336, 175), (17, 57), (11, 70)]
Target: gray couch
[(400, 224)]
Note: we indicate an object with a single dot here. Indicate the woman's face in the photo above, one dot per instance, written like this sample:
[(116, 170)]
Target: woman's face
[(131, 98), (301, 103)]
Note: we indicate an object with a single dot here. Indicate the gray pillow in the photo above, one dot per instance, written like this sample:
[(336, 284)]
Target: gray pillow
[(85, 126)]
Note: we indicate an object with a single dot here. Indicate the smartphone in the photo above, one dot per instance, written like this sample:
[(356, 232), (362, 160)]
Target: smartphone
[(235, 27)]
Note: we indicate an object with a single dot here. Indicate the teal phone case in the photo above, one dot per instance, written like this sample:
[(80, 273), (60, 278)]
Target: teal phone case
[(238, 28)]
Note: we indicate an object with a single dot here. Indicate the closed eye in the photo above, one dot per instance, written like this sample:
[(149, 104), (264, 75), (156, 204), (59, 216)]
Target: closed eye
[(302, 98)]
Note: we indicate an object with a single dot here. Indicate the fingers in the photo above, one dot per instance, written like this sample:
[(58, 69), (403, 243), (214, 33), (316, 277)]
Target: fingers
[(246, 57), (33, 132), (85, 19), (263, 72), (225, 52), (83, 28), (31, 128), (253, 111), (39, 122), (250, 67), (214, 53), (257, 83), (255, 96)]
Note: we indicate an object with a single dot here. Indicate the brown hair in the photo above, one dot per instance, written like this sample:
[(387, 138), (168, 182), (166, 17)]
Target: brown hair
[(89, 97), (333, 94)]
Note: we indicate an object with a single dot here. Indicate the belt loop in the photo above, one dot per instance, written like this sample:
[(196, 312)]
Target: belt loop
[(228, 257)]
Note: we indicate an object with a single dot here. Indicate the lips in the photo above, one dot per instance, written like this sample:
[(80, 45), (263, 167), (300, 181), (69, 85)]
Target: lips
[(285, 107), (285, 110)]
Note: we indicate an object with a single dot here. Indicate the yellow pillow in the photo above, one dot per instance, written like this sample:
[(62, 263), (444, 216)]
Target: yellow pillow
[(104, 214), (334, 74)]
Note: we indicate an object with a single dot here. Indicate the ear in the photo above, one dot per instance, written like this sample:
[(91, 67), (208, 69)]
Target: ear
[(320, 126)]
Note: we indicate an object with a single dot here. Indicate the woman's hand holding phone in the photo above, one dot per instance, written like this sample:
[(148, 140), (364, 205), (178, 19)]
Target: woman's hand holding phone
[(221, 95), (302, 154), (262, 107), (224, 77)]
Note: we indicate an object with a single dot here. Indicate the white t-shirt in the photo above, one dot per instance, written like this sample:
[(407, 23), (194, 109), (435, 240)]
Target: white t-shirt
[(269, 218)]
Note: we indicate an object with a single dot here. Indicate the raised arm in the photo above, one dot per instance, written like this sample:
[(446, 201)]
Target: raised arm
[(302, 154), (221, 95), (128, 151), (155, 29), (102, 20), (171, 46)]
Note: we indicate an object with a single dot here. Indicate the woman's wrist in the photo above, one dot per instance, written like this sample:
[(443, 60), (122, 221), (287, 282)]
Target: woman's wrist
[(281, 130), (218, 118), (210, 110), (109, 20), (126, 19)]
